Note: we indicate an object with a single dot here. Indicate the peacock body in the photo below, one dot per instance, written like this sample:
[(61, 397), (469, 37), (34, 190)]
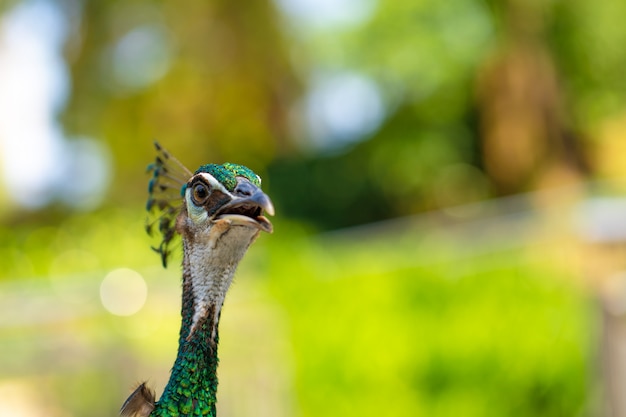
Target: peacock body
[(218, 212)]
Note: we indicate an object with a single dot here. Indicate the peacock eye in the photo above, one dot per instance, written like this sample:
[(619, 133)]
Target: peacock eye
[(200, 193)]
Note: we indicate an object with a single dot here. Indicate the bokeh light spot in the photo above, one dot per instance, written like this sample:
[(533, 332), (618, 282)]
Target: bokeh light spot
[(343, 108), (327, 13), (123, 292), (142, 56)]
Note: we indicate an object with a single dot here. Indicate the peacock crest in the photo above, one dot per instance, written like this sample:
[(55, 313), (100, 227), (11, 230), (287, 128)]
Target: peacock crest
[(165, 191)]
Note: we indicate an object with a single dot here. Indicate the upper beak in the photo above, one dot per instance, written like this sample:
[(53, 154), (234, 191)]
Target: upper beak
[(249, 209), (262, 200)]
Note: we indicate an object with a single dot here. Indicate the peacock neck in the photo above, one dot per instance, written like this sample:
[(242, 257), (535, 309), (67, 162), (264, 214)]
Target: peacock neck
[(192, 386)]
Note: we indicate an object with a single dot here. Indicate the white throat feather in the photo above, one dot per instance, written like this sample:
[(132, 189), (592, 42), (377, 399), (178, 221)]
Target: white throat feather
[(212, 257)]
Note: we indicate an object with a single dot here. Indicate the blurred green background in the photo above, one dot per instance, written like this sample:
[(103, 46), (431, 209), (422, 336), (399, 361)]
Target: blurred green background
[(431, 164)]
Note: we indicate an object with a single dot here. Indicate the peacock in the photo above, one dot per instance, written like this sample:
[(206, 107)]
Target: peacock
[(218, 211)]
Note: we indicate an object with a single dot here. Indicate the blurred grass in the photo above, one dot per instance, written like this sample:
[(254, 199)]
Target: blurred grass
[(406, 327), (403, 319)]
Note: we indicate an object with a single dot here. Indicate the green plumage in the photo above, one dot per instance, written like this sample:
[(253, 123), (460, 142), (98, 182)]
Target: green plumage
[(227, 174), (192, 387)]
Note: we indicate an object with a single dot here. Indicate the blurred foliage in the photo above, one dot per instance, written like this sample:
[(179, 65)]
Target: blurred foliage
[(387, 176), (431, 334), (485, 98), (411, 321), (480, 97), (7, 4), (424, 58), (416, 50), (585, 40)]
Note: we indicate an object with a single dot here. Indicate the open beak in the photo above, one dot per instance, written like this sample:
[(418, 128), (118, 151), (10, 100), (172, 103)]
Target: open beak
[(249, 210)]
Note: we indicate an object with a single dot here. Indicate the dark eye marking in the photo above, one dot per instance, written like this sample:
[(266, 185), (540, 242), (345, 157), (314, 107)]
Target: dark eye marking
[(200, 193)]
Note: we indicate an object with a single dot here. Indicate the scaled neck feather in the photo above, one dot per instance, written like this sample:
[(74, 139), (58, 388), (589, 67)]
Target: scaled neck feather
[(209, 263)]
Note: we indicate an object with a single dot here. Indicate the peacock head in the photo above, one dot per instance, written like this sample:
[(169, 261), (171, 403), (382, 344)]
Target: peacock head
[(216, 199), (228, 194)]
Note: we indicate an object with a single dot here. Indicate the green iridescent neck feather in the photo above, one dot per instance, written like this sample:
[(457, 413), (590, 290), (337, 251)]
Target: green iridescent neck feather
[(192, 388)]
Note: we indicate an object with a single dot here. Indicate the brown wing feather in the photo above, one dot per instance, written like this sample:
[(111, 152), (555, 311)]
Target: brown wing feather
[(140, 403)]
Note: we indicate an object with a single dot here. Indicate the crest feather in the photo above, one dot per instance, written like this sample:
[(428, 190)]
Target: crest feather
[(166, 190), (169, 177)]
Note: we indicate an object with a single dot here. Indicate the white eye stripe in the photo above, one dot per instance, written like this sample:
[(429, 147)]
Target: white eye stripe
[(214, 183)]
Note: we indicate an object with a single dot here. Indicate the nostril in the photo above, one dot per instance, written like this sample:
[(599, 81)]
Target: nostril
[(244, 189)]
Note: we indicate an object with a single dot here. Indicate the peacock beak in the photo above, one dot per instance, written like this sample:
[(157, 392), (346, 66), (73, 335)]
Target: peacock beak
[(247, 208), (263, 201)]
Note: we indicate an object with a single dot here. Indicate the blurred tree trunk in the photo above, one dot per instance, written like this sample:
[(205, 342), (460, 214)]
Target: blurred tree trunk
[(527, 141)]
